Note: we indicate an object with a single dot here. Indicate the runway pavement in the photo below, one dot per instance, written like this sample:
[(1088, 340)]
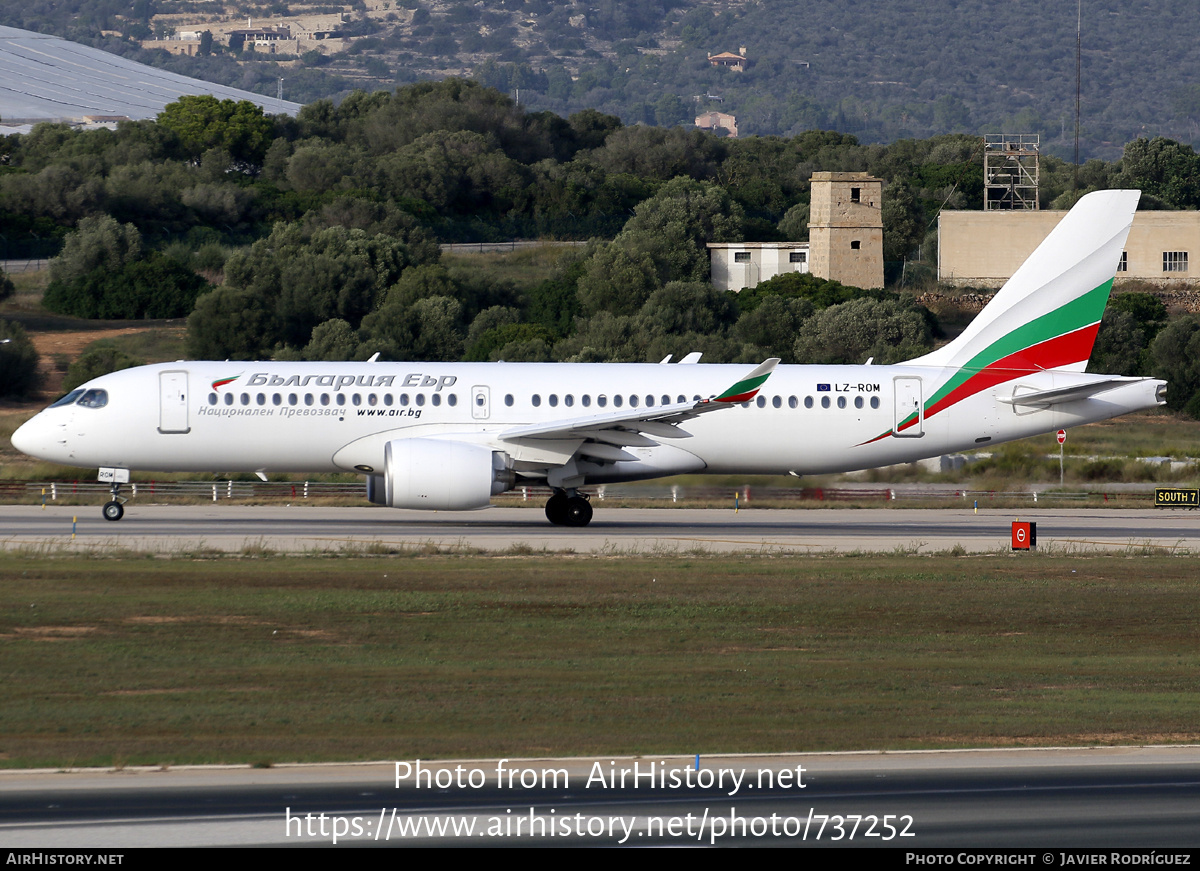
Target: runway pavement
[(304, 528), (1066, 798)]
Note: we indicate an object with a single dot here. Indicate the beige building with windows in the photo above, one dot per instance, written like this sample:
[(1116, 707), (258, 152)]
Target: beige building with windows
[(845, 239), (983, 249)]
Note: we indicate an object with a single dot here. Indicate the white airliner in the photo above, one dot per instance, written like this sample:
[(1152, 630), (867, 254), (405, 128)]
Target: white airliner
[(448, 436)]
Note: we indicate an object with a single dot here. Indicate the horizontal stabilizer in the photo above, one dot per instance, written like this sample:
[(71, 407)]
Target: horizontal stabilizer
[(1059, 395)]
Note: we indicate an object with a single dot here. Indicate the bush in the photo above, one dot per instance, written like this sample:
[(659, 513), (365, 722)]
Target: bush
[(152, 287), (18, 362), (7, 288)]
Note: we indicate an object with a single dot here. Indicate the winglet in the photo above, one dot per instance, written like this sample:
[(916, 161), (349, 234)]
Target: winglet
[(746, 389)]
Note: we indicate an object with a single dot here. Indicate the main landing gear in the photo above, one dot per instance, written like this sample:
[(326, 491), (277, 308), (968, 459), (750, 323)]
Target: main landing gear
[(114, 509), (568, 508)]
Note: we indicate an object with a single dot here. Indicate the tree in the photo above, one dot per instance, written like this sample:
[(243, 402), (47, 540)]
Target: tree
[(96, 243), (153, 286), (7, 288), (674, 226), (18, 362), (99, 358), (853, 331), (1176, 357), (334, 340), (1164, 169), (230, 324), (903, 228), (203, 122)]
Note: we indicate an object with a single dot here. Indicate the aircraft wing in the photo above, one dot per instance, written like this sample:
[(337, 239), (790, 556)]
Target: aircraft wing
[(638, 427), (1059, 395)]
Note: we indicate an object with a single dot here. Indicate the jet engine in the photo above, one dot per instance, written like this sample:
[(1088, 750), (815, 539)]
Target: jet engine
[(439, 475)]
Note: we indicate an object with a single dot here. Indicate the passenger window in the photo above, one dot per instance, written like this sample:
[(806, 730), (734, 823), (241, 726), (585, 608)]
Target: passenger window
[(228, 399), (245, 399), (824, 402), (387, 399), (682, 399), (553, 400), (633, 402), (858, 402), (537, 400), (452, 399), (874, 402), (649, 401), (308, 399), (508, 399), (792, 402), (617, 401), (276, 399), (372, 399), (841, 402), (568, 400), (404, 399), (437, 399), (292, 400), (602, 400), (324, 398), (808, 403), (420, 399), (587, 400), (341, 399), (261, 399), (212, 399), (357, 399), (777, 401), (761, 401)]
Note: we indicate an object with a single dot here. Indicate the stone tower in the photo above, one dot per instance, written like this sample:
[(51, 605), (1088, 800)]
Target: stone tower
[(845, 228)]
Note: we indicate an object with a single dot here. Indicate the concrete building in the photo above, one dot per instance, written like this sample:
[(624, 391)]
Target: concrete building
[(738, 265), (983, 249), (845, 232), (845, 228), (718, 121)]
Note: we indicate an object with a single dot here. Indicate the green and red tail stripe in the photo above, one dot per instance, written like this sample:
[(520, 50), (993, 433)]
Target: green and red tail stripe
[(1033, 347), (221, 382)]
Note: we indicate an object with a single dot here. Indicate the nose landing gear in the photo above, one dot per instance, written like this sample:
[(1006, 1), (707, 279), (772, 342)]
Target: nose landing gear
[(115, 508), (568, 508)]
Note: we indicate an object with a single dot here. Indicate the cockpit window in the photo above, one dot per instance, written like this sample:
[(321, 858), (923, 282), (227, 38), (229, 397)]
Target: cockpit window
[(94, 398), (69, 399)]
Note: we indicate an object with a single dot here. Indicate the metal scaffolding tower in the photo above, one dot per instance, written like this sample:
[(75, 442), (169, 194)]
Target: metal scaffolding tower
[(1011, 165)]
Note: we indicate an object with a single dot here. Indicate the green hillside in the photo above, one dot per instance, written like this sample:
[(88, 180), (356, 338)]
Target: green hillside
[(879, 71)]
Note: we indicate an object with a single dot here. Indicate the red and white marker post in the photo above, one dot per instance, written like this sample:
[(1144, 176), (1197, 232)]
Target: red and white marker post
[(1062, 437)]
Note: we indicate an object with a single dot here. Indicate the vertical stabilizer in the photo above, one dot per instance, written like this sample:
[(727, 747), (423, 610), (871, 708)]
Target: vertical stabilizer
[(1046, 316)]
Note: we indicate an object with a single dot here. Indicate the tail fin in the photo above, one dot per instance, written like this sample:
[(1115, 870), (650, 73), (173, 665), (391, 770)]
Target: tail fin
[(1046, 316)]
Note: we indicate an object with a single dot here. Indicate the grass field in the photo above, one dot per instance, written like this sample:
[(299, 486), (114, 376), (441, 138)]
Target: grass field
[(113, 662)]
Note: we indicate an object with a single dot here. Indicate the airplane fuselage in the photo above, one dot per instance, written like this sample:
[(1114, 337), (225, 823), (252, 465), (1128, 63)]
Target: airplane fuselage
[(330, 417)]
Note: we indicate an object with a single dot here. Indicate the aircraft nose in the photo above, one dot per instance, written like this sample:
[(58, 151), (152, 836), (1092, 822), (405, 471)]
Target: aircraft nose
[(31, 437)]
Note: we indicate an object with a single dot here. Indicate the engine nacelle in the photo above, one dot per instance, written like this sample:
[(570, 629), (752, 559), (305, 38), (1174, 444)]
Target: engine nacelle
[(439, 475)]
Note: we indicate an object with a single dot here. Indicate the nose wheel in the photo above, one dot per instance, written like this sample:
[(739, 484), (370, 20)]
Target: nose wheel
[(114, 509), (568, 510)]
